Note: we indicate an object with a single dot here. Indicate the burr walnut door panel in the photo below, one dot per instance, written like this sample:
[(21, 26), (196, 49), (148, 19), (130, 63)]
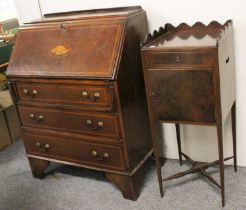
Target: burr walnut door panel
[(182, 95)]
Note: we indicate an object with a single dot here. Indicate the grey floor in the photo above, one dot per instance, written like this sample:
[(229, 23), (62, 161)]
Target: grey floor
[(72, 188)]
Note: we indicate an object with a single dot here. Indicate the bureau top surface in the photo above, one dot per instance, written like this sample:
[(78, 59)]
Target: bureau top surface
[(197, 35), (93, 14), (81, 48)]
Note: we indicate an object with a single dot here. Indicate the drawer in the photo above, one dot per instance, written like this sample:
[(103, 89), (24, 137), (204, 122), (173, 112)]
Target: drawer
[(92, 97), (74, 150), (70, 121), (178, 59)]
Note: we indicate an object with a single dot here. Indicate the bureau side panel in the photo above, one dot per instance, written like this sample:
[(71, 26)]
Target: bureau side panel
[(131, 90), (227, 73)]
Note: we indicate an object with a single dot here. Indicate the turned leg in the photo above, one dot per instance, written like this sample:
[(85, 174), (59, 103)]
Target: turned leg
[(38, 166), (179, 143), (233, 115), (221, 161), (127, 185)]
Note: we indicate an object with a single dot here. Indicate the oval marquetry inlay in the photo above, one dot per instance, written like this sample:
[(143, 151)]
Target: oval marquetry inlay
[(59, 50)]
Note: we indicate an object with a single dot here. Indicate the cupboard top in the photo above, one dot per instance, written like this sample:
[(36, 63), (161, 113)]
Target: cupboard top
[(197, 35)]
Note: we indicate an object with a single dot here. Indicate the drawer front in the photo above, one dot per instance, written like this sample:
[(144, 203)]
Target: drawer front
[(70, 121), (178, 59), (182, 95), (89, 96), (74, 150)]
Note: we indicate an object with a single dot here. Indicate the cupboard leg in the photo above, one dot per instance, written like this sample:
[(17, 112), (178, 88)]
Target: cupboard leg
[(38, 166), (179, 143), (221, 162), (158, 168), (157, 156), (233, 114)]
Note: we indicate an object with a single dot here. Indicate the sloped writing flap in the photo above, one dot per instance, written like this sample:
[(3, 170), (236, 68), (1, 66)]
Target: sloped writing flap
[(68, 50)]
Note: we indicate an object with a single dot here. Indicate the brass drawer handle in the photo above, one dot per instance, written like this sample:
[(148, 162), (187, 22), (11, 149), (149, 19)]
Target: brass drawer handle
[(36, 119), (84, 94), (87, 97), (88, 122), (94, 126), (33, 94), (100, 157), (96, 96), (100, 124), (42, 147), (178, 59)]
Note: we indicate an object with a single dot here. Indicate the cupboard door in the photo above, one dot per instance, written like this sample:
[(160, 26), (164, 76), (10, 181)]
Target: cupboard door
[(182, 95)]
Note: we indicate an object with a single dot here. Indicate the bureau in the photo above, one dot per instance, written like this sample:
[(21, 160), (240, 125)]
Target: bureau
[(190, 79), (78, 87)]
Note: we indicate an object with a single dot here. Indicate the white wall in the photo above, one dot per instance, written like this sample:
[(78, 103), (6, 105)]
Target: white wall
[(27, 10), (7, 10), (198, 141)]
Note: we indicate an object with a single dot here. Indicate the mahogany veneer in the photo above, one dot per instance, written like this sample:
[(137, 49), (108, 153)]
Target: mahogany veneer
[(77, 83)]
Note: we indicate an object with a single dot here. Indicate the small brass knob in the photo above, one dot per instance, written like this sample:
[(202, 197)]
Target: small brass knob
[(94, 153), (88, 122), (106, 155), (46, 146), (96, 95), (31, 115), (100, 124), (152, 94), (38, 144)]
